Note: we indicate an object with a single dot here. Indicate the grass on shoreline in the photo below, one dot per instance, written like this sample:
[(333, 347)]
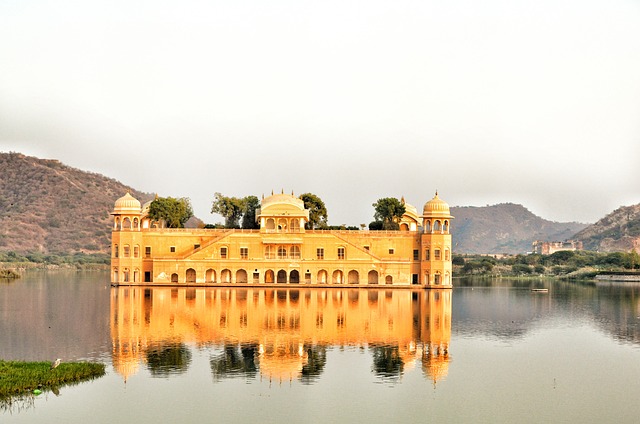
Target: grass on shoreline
[(20, 378)]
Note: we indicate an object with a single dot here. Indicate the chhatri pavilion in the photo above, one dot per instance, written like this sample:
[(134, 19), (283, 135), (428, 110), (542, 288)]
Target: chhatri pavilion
[(282, 251)]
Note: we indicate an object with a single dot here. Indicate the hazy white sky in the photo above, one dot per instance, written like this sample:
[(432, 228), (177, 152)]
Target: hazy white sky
[(534, 102)]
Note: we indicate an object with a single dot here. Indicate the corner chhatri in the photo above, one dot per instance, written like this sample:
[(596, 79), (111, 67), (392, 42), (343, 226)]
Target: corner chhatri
[(282, 251)]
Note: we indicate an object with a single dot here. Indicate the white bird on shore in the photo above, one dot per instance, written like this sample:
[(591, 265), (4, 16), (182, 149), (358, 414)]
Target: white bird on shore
[(55, 363)]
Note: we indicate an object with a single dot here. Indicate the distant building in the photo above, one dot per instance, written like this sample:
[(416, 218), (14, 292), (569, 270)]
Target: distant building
[(550, 247), (282, 251)]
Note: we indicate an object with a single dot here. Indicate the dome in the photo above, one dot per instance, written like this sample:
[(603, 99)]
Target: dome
[(127, 204), (436, 206)]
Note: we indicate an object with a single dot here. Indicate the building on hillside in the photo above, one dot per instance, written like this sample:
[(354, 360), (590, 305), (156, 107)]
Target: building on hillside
[(282, 251), (550, 247)]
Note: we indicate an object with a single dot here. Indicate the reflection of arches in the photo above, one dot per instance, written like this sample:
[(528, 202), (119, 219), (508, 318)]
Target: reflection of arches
[(354, 277), (210, 276), (294, 276), (282, 276), (271, 224), (225, 276), (322, 277), (268, 276), (404, 227), (388, 279), (191, 275), (174, 278), (241, 276), (372, 277), (337, 277)]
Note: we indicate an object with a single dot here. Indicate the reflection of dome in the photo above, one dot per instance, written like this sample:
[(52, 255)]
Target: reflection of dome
[(127, 204), (436, 364), (282, 362), (436, 206)]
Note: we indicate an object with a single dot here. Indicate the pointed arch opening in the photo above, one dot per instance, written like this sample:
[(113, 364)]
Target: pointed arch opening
[(372, 277), (282, 277)]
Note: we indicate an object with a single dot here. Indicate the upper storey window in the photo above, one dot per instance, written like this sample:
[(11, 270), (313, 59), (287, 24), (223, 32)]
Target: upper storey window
[(341, 253), (223, 253)]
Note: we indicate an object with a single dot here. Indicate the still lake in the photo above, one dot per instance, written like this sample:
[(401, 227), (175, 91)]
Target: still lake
[(482, 352)]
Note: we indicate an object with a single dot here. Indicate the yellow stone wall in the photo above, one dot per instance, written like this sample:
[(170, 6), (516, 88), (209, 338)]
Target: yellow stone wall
[(146, 254)]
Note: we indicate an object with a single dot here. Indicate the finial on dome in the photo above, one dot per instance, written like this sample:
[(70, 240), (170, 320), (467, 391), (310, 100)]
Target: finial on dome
[(272, 192), (402, 200), (262, 196), (436, 192), (292, 193)]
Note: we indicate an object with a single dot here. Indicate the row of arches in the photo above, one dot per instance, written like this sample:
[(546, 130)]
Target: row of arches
[(281, 276), (283, 225), (436, 226), (127, 276), (126, 223)]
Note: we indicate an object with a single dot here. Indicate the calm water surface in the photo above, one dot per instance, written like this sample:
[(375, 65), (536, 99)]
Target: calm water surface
[(482, 352)]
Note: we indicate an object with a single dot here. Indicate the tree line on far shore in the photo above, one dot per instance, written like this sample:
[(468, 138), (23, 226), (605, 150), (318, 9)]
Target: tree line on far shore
[(564, 263)]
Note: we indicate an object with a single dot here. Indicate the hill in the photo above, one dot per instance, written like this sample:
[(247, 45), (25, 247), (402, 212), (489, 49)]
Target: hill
[(504, 228), (49, 207), (618, 231)]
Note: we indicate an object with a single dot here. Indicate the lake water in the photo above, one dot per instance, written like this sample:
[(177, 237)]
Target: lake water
[(484, 352)]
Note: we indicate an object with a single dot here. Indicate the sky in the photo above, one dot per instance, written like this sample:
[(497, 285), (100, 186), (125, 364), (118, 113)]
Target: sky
[(521, 101)]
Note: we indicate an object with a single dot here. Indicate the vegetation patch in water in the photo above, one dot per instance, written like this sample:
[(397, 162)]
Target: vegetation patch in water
[(8, 273), (19, 378)]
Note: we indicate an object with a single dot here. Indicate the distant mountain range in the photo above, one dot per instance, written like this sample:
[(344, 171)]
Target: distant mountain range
[(504, 228), (46, 206)]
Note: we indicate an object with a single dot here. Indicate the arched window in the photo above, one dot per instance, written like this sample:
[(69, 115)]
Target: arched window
[(136, 275), (116, 224), (337, 277), (354, 277), (241, 276), (282, 276), (269, 252), (225, 276), (322, 277), (268, 276), (136, 251), (445, 227), (126, 275), (210, 276), (436, 279), (294, 276), (127, 251), (294, 225), (282, 225), (126, 224), (115, 275), (388, 279), (427, 226), (271, 224), (437, 226), (295, 252), (136, 225), (372, 277), (282, 252), (436, 254), (191, 275), (174, 278)]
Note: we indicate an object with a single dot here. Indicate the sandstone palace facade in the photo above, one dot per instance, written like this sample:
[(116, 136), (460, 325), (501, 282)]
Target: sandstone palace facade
[(282, 251)]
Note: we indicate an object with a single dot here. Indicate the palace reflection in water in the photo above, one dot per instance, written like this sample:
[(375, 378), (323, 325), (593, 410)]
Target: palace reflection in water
[(279, 334)]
